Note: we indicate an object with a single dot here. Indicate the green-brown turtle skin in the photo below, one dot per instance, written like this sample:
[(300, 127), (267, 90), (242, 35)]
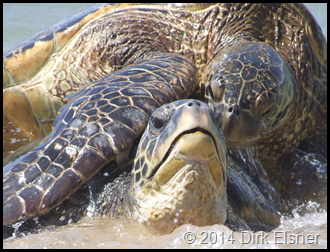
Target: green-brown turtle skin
[(202, 33), (259, 97), (99, 125)]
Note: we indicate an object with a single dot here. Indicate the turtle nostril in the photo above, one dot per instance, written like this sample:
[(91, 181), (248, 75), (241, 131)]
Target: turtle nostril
[(235, 110), (194, 103)]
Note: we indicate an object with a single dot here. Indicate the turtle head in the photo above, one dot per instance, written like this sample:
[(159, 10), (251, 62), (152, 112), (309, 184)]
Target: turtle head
[(179, 174), (254, 88)]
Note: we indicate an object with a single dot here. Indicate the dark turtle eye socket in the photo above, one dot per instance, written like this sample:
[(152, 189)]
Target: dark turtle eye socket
[(160, 118), (209, 92), (264, 103), (215, 90), (158, 123)]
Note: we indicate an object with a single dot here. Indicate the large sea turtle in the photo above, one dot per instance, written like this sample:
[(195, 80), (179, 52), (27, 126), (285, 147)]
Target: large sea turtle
[(265, 64)]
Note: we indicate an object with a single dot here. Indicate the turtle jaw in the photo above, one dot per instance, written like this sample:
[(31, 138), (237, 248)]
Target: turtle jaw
[(193, 147), (188, 187), (191, 196)]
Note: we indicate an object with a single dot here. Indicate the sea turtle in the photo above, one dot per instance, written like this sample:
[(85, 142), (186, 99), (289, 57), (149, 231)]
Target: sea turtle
[(242, 53), (180, 171), (180, 176)]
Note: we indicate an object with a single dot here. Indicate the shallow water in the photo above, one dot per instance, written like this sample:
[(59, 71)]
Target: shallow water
[(24, 20), (309, 231)]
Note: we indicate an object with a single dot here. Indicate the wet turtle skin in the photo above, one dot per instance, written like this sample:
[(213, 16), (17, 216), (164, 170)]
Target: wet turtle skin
[(201, 34), (99, 125)]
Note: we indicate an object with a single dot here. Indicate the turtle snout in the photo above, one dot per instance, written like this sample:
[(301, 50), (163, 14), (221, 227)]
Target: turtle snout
[(239, 127), (231, 120), (234, 111)]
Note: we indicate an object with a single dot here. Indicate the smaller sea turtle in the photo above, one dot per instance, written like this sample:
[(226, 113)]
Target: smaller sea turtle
[(260, 99), (180, 176), (265, 104)]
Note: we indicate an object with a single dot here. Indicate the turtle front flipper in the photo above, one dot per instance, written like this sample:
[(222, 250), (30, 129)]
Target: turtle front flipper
[(99, 125)]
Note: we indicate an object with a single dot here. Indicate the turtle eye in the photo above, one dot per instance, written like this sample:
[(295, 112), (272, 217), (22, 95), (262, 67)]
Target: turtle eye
[(264, 103), (160, 118), (157, 123), (209, 93), (216, 89)]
